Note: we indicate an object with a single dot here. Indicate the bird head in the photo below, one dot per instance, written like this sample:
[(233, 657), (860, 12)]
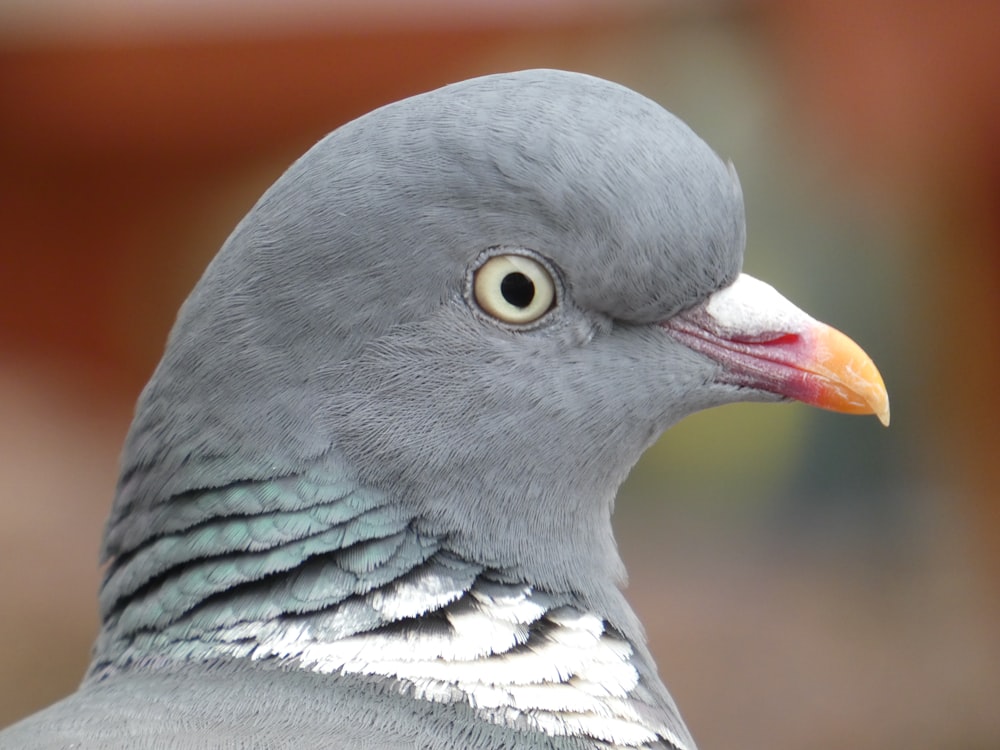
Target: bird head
[(483, 302)]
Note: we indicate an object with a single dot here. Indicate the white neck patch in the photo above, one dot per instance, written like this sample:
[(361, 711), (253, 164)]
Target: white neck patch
[(506, 650)]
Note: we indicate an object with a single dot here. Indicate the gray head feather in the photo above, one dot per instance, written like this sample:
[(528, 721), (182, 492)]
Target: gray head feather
[(335, 323)]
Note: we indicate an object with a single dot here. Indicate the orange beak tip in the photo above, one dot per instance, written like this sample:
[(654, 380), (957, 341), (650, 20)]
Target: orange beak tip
[(850, 382)]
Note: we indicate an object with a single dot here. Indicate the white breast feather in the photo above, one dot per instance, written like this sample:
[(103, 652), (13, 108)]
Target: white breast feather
[(508, 653)]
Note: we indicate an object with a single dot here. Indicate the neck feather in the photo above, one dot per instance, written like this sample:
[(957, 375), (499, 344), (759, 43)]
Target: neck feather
[(321, 576)]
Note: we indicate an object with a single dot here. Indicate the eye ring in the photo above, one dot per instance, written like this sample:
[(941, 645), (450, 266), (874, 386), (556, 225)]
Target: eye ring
[(514, 289)]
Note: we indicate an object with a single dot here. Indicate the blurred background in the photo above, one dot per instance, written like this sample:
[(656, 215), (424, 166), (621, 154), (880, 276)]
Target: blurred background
[(806, 579)]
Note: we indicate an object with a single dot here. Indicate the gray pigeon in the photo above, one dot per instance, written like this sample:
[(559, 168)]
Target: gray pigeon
[(366, 498)]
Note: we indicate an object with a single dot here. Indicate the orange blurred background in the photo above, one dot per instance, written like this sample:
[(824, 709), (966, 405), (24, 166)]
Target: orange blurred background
[(806, 579)]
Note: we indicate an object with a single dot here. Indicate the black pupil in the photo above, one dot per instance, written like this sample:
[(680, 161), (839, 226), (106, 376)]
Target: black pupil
[(517, 289)]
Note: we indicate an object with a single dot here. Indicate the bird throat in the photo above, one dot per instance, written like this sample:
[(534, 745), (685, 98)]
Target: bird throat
[(324, 576)]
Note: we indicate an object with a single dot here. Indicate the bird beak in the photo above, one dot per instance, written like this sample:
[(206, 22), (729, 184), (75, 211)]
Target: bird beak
[(765, 342)]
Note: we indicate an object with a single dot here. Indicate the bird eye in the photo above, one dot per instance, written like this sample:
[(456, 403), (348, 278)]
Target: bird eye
[(514, 289)]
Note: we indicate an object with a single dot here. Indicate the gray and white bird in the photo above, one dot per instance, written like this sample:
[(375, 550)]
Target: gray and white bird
[(366, 498)]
